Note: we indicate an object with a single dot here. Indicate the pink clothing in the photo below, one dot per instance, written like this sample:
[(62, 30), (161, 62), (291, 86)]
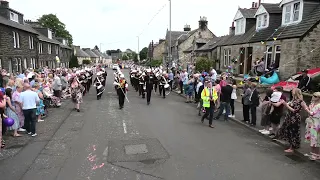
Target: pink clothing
[(218, 88), (15, 97), (223, 83)]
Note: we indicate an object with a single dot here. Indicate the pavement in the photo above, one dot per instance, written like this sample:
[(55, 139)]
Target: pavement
[(164, 140)]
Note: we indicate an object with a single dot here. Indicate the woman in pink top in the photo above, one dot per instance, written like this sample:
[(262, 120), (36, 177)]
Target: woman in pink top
[(217, 87)]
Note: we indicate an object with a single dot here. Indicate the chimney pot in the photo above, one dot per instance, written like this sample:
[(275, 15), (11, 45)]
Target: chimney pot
[(4, 3), (252, 6)]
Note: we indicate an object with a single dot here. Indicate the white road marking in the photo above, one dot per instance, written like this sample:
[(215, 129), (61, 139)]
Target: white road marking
[(105, 154), (124, 126), (138, 176)]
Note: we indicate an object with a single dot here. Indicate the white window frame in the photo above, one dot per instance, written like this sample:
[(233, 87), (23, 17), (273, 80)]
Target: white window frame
[(275, 53), (49, 49), (25, 66), (0, 63), (266, 65), (288, 16), (57, 49), (262, 21), (16, 40), (14, 17), (31, 43), (49, 34), (259, 21), (229, 56), (40, 48), (240, 26), (225, 56)]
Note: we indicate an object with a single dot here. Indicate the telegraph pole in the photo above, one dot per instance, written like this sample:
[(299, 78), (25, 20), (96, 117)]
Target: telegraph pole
[(170, 55)]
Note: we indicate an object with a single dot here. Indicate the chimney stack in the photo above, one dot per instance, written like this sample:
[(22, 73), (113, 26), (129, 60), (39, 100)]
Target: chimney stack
[(232, 29), (252, 6), (186, 28), (203, 23), (161, 40), (259, 3), (4, 4)]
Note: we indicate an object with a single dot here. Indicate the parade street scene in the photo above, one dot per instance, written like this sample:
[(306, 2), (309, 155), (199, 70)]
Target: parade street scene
[(139, 90)]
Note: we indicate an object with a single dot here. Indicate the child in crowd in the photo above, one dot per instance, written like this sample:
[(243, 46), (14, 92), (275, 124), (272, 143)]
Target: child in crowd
[(275, 97)]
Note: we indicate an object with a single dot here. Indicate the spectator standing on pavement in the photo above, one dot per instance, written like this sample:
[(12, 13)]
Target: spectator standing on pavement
[(213, 75), (225, 99), (209, 97), (290, 129), (11, 112), (190, 89), (29, 100), (171, 78), (233, 98), (2, 127), (313, 126), (260, 67), (199, 88), (254, 103), (246, 103), (217, 87), (277, 114), (265, 109)]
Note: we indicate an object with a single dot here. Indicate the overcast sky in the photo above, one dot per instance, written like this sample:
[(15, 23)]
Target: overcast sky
[(117, 23)]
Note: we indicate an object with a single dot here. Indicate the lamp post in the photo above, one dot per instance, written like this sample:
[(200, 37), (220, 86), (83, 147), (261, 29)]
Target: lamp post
[(138, 51)]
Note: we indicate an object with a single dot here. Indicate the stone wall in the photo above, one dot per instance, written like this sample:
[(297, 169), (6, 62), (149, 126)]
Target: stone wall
[(288, 60), (158, 51), (306, 58)]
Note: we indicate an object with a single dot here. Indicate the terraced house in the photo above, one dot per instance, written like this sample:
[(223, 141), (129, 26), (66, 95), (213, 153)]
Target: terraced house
[(18, 41)]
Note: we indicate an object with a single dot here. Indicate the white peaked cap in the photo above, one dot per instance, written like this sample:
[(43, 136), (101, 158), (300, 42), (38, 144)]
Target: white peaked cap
[(164, 72), (148, 70), (134, 71), (121, 76), (99, 73), (140, 72), (143, 73)]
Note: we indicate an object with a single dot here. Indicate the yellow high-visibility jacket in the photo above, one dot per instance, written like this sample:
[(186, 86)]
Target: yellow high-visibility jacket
[(205, 96)]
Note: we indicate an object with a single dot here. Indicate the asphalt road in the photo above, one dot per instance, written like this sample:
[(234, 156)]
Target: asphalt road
[(165, 140)]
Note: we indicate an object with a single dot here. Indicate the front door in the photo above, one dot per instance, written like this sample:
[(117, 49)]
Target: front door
[(249, 60), (241, 60)]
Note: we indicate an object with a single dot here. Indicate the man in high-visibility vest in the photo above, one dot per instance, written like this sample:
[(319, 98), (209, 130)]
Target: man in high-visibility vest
[(209, 97)]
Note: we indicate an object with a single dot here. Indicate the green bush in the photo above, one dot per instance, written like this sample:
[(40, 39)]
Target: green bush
[(73, 62), (203, 63), (86, 61)]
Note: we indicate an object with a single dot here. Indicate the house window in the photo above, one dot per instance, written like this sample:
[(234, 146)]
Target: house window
[(259, 21), (25, 63), (240, 26), (15, 65), (296, 11), (276, 58), (31, 42), (33, 63), (49, 34), (265, 20), (0, 63), (268, 59), (49, 49), (14, 17), (292, 13), (229, 57), (225, 57), (57, 50), (16, 40)]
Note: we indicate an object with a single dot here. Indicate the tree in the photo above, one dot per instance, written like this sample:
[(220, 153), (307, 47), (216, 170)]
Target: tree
[(143, 53), (134, 56), (203, 63), (96, 48), (52, 22), (73, 62), (125, 57)]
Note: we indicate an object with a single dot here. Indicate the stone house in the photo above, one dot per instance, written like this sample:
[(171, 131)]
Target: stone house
[(65, 52), (101, 56), (286, 35), (185, 44), (159, 49), (80, 54), (18, 41), (48, 48), (93, 57)]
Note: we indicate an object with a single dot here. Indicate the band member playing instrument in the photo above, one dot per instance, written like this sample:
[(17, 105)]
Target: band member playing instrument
[(142, 85), (98, 82), (121, 90), (162, 83), (149, 79)]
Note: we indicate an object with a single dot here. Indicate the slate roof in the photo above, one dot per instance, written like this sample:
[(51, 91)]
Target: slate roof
[(16, 25), (240, 39), (299, 30), (213, 43), (64, 46), (272, 8), (248, 13), (90, 53), (41, 37), (97, 52), (189, 49), (106, 56), (80, 52), (174, 36)]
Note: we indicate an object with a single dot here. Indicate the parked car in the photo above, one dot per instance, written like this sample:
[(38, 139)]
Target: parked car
[(115, 66), (293, 81)]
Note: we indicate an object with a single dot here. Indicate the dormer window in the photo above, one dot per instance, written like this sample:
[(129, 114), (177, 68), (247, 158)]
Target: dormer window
[(292, 13), (14, 17), (49, 34), (262, 21), (240, 26)]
